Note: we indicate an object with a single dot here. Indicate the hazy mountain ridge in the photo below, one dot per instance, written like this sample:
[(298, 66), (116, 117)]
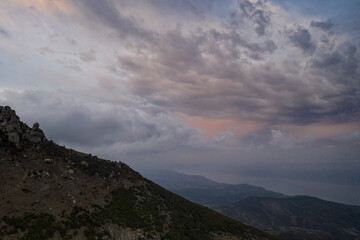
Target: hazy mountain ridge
[(50, 192), (294, 218), (298, 217), (204, 191)]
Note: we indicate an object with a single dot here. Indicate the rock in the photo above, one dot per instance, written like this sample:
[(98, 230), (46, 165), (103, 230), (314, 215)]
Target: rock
[(15, 131), (44, 188), (36, 134), (84, 163), (48, 160), (12, 133), (71, 171), (14, 138)]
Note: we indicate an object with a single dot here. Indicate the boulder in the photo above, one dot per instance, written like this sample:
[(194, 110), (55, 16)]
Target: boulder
[(48, 160), (84, 163), (36, 134), (13, 135)]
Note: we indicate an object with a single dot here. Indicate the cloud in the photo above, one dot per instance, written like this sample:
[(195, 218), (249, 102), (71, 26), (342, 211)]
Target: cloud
[(217, 70), (255, 12), (351, 139), (45, 50), (301, 38), (192, 9), (107, 12), (88, 123), (326, 26), (88, 56), (4, 33), (341, 63), (285, 140), (70, 63), (72, 42)]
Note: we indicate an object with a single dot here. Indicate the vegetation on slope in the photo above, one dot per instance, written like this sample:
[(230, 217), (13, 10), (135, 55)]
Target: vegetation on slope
[(148, 207)]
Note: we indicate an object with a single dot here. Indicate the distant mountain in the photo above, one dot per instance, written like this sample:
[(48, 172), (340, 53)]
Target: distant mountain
[(291, 218), (298, 217), (204, 191), (51, 192)]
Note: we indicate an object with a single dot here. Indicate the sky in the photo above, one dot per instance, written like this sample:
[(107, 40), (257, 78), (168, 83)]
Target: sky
[(246, 91)]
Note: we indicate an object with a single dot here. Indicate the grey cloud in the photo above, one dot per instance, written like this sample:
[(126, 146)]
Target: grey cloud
[(351, 139), (88, 123), (301, 38), (283, 140), (224, 72), (187, 8), (261, 20), (326, 26), (54, 37), (4, 32), (341, 68), (106, 11), (88, 56), (246, 6), (45, 50), (344, 61), (179, 51), (212, 70), (70, 64), (268, 46), (255, 12), (72, 42)]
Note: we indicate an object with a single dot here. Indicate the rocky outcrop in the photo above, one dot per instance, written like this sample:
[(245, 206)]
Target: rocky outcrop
[(36, 134), (15, 131)]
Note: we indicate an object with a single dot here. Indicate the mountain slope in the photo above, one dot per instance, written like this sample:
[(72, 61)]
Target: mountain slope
[(50, 192), (298, 217), (204, 191)]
